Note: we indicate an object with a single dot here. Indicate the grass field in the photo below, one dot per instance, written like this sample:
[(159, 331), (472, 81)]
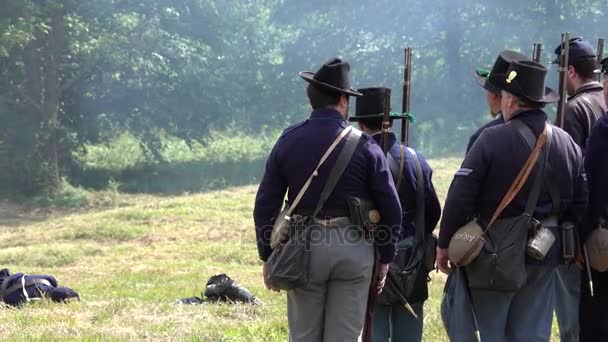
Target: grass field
[(132, 259)]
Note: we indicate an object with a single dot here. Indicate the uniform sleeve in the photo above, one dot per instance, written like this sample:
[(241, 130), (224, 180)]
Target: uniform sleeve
[(596, 166), (432, 207), (464, 190), (384, 195), (580, 199), (573, 125), (472, 140), (268, 203)]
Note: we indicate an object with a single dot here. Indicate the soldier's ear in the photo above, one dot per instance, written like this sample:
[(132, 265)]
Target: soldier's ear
[(571, 71), (343, 100)]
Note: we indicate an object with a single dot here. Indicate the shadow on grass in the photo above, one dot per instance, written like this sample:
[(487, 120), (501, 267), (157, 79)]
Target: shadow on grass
[(173, 178), (14, 215)]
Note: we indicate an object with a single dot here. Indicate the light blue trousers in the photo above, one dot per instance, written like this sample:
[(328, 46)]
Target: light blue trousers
[(395, 323), (522, 316), (567, 299)]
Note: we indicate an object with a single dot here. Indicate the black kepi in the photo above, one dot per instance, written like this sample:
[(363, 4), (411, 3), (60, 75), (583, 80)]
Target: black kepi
[(526, 79), (603, 66), (333, 76)]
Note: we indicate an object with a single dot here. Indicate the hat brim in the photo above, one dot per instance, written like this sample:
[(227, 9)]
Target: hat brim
[(500, 81), (393, 116), (482, 81), (309, 77)]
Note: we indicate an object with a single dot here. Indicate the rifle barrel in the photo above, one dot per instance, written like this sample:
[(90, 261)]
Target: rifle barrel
[(386, 121), (600, 55), (407, 82), (537, 52), (563, 69)]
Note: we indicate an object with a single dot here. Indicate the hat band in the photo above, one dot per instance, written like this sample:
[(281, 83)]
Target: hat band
[(409, 116)]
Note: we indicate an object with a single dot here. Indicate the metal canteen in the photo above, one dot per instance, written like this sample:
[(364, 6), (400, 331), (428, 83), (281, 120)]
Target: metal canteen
[(539, 245)]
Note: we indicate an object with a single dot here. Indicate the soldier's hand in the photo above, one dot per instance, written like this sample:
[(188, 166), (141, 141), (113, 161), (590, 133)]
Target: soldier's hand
[(265, 273), (443, 262), (382, 272)]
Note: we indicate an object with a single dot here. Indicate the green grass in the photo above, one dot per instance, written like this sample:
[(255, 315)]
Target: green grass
[(132, 256)]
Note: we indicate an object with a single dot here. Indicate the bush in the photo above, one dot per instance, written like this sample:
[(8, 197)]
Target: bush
[(224, 159), (66, 196)]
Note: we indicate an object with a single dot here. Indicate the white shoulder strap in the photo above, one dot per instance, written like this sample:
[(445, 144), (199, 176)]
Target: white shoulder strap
[(315, 173)]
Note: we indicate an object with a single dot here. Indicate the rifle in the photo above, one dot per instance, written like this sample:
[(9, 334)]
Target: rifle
[(407, 81), (600, 56), (386, 124), (563, 70), (537, 52)]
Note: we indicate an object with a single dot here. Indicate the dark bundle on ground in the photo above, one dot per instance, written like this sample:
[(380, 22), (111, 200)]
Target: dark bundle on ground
[(221, 288)]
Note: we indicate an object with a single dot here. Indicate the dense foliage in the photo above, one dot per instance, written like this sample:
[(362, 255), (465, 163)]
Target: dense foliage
[(80, 72)]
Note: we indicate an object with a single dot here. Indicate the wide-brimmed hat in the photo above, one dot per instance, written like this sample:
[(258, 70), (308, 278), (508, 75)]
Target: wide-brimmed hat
[(333, 76), (371, 104), (526, 79), (483, 76)]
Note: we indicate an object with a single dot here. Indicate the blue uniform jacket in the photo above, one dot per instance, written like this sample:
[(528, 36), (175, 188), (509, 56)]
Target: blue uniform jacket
[(499, 120), (295, 156), (432, 207), (596, 165), (491, 166)]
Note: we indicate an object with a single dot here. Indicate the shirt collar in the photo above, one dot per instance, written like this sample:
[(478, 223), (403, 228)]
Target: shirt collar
[(591, 86), (378, 137), (521, 114)]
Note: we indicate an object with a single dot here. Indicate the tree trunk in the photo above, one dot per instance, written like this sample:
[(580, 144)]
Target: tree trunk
[(49, 113)]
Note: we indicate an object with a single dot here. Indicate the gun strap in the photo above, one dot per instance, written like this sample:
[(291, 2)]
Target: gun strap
[(336, 172)]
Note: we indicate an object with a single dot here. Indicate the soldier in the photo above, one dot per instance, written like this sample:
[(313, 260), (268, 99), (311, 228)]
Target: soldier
[(594, 309), (499, 155), (586, 96), (585, 105), (493, 95), (391, 320), (331, 306)]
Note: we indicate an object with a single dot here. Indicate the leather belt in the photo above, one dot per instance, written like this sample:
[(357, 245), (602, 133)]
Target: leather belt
[(551, 221)]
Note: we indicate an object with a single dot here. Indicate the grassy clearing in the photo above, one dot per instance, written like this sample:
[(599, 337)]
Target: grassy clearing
[(132, 256)]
